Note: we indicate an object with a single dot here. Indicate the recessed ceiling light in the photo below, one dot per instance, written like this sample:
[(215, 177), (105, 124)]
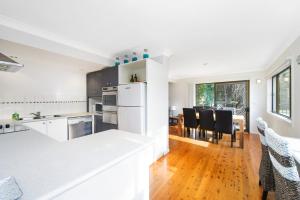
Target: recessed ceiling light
[(258, 81)]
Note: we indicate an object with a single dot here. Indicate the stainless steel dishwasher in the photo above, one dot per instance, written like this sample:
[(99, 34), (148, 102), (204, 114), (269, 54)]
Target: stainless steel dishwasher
[(80, 126)]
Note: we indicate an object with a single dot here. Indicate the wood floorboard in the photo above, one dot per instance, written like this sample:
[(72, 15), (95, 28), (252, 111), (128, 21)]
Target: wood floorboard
[(202, 170)]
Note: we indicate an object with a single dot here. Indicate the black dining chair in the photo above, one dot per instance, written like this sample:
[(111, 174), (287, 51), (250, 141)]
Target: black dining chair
[(190, 120), (207, 122), (198, 108), (224, 124)]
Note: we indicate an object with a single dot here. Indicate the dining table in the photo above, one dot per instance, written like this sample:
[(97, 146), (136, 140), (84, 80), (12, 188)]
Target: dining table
[(237, 119), (294, 144)]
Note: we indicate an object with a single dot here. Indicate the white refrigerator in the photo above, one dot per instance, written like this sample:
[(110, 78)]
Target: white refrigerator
[(132, 108)]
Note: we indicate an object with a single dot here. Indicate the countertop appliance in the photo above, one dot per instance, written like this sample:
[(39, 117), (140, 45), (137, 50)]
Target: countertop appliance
[(95, 105), (109, 103), (131, 108), (80, 126), (9, 65)]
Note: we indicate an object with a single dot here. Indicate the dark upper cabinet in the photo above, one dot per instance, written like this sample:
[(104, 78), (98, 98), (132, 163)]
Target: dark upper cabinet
[(94, 84), (103, 78), (110, 76)]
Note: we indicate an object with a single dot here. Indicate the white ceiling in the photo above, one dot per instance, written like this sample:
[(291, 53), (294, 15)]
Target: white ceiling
[(204, 37)]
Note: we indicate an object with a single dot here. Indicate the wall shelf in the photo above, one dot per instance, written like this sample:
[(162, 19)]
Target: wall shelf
[(132, 68)]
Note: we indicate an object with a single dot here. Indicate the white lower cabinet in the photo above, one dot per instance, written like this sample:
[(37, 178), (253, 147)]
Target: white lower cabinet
[(56, 128), (40, 126)]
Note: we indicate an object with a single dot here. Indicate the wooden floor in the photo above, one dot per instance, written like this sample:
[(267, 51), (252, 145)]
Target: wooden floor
[(201, 170)]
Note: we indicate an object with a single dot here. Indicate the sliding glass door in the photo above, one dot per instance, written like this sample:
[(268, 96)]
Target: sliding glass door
[(232, 95)]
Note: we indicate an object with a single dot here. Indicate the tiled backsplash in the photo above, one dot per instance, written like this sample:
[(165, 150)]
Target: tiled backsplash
[(46, 105)]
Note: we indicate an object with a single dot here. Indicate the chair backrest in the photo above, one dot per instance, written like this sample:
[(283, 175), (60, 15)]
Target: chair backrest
[(287, 181), (266, 175), (224, 121), (198, 108), (190, 119), (207, 121), (261, 127)]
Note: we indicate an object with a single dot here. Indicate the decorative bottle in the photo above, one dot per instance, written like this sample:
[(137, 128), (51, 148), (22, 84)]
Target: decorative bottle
[(135, 78), (132, 79), (126, 59), (134, 57), (117, 62), (145, 54)]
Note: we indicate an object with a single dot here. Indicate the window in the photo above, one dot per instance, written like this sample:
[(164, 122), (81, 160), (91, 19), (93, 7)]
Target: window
[(281, 93), (225, 94), (205, 94), (233, 95)]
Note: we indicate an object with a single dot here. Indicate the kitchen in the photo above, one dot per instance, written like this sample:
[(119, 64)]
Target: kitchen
[(79, 105)]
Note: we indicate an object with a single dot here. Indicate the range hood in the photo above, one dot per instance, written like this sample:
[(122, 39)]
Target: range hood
[(9, 65)]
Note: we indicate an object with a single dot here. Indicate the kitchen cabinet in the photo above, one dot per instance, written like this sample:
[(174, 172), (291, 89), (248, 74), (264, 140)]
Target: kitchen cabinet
[(102, 78), (94, 84), (110, 76), (56, 128), (39, 126), (98, 123), (100, 126)]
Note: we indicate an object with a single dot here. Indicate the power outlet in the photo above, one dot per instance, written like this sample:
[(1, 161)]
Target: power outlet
[(1, 128)]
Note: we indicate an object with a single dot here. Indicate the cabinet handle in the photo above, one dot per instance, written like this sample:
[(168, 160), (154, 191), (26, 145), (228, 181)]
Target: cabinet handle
[(50, 122), (44, 123)]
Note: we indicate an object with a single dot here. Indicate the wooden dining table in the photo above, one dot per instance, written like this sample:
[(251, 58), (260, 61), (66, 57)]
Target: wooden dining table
[(238, 119)]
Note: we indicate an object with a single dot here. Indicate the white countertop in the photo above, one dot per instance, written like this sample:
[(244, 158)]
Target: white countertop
[(48, 117), (45, 168)]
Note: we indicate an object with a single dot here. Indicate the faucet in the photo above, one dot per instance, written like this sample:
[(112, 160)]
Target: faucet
[(37, 114)]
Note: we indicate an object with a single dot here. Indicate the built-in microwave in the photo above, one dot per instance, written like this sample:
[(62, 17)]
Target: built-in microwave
[(98, 107)]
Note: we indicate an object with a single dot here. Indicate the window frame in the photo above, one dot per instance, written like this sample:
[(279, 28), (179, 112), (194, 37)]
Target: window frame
[(276, 76)]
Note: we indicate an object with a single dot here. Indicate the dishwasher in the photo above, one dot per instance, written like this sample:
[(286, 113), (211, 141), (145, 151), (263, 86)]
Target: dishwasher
[(79, 126)]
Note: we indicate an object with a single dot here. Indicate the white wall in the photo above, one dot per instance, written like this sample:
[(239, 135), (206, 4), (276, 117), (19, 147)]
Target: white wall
[(282, 126), (179, 95), (58, 81), (182, 93)]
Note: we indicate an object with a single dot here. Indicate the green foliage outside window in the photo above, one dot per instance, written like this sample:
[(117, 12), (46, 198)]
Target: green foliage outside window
[(205, 94)]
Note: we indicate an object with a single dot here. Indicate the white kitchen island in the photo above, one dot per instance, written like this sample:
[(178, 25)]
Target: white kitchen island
[(107, 165)]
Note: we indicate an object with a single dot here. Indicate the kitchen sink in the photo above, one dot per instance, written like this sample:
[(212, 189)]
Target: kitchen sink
[(40, 117)]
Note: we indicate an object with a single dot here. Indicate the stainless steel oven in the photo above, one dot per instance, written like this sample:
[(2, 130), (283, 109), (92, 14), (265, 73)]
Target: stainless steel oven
[(109, 103), (109, 96)]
